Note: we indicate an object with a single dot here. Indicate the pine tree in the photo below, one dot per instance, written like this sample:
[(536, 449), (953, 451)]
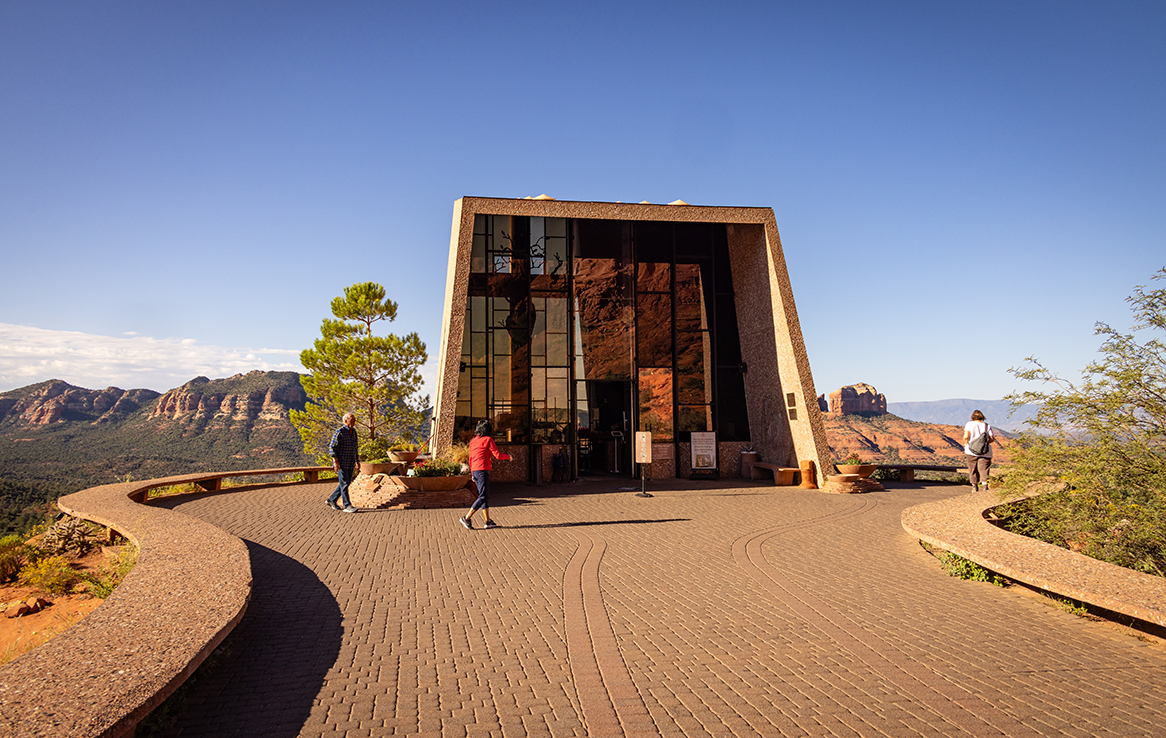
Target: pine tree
[(352, 370)]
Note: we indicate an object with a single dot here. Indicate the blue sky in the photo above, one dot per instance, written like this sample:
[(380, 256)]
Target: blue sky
[(184, 187)]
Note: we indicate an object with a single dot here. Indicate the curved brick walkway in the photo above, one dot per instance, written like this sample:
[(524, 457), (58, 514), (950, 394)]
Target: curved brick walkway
[(702, 611)]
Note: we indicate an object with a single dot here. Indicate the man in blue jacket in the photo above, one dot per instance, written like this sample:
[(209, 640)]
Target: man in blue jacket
[(345, 456)]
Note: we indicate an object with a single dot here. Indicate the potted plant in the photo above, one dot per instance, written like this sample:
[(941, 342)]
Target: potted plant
[(436, 475), (403, 452), (375, 457), (854, 465)]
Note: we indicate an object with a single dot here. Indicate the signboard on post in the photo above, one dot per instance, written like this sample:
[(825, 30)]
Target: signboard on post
[(643, 447), (704, 456)]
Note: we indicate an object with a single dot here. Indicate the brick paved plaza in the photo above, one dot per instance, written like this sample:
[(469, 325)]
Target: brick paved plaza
[(706, 610)]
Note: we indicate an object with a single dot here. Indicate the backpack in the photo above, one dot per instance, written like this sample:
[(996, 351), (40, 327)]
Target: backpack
[(980, 444)]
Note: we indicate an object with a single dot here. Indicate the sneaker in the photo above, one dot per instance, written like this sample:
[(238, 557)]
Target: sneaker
[(332, 505), (349, 508), (491, 524), (466, 523)]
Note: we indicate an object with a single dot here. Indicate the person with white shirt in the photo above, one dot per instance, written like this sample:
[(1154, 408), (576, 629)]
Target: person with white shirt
[(978, 463)]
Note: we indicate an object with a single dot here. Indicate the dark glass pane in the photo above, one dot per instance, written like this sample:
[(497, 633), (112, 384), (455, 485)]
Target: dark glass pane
[(501, 379), (694, 239), (557, 314), (653, 242), (511, 423), (724, 272), (693, 354), (556, 251), (538, 246), (727, 341), (653, 277), (603, 291), (603, 239), (654, 330), (557, 349), (695, 418), (655, 390), (691, 313), (732, 415), (500, 245)]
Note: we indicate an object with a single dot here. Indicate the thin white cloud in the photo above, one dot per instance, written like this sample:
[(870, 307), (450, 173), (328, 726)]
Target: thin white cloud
[(29, 355)]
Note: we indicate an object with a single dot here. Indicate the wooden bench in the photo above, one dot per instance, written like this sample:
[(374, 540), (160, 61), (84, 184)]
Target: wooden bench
[(214, 482), (782, 475), (907, 471)]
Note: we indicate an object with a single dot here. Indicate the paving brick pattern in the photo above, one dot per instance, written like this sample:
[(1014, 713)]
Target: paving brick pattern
[(706, 610)]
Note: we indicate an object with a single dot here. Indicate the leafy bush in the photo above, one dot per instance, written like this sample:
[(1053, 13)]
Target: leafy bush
[(885, 475), (853, 459), (961, 568), (437, 468), (14, 555), (1109, 527), (111, 575), (1100, 440), (375, 450), (52, 574), (403, 446)]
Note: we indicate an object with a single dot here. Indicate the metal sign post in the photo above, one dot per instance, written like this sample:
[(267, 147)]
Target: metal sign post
[(643, 458)]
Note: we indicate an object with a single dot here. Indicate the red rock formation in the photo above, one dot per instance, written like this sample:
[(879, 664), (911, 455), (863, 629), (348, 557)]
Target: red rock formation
[(887, 439), (56, 402), (857, 398)]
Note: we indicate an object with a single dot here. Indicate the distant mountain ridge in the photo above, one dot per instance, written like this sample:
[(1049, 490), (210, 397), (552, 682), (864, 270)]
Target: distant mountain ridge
[(66, 438), (959, 411)]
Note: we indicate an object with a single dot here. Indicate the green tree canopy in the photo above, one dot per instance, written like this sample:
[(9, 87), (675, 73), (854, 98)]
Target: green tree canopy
[(1107, 432), (352, 370)]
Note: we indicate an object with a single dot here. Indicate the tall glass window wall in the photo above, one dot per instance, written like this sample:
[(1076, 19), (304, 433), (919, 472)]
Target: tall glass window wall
[(562, 312)]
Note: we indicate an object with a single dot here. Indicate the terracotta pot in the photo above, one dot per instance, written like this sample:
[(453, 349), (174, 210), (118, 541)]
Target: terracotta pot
[(379, 467), (862, 470), (403, 457), (436, 484)]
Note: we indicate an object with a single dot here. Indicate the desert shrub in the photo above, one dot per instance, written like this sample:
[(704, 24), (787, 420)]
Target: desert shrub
[(70, 535), (458, 453), (961, 568), (1116, 528), (174, 489), (52, 574), (14, 554), (112, 574), (885, 475), (1100, 441)]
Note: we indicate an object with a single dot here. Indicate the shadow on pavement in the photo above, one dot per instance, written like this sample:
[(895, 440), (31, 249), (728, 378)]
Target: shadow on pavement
[(586, 523), (271, 667)]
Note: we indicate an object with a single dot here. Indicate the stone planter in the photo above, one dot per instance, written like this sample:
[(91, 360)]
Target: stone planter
[(435, 484), (862, 470), (403, 457), (379, 467)]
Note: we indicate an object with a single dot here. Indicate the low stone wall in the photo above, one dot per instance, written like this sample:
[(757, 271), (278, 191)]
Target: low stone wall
[(189, 589), (958, 525)]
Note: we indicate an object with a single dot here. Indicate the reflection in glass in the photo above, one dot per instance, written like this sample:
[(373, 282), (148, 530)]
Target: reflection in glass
[(654, 330), (694, 366), (654, 277), (691, 313), (655, 392), (604, 316), (696, 418)]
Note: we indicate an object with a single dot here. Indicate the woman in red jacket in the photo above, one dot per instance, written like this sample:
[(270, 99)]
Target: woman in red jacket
[(483, 451)]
